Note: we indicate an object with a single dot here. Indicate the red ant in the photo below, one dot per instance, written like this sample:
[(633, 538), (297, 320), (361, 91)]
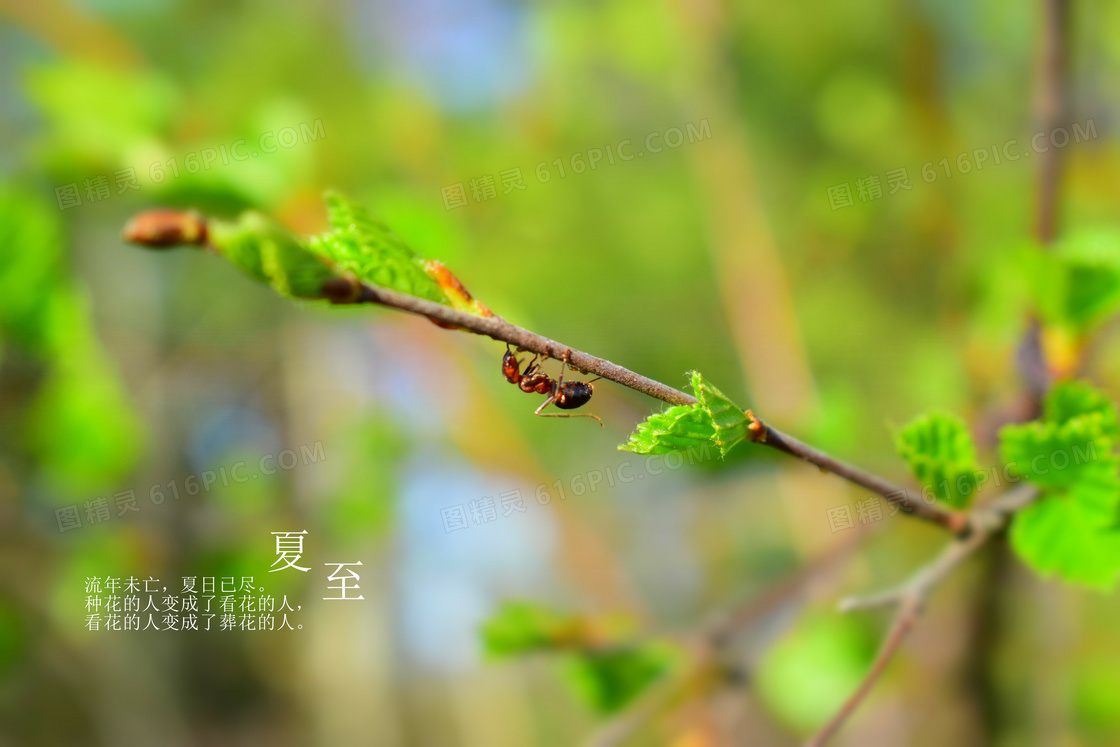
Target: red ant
[(565, 395)]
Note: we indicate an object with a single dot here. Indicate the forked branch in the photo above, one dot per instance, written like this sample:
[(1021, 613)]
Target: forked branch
[(909, 599)]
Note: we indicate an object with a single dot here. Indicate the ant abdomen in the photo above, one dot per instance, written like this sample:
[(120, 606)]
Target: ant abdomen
[(573, 395)]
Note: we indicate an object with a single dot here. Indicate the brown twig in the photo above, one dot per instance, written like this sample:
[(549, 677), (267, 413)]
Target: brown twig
[(984, 523), (762, 432), (167, 228), (1051, 106)]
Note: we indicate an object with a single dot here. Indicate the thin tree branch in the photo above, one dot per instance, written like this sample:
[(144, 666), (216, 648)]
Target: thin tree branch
[(762, 432), (499, 329), (169, 228), (909, 599), (1051, 107)]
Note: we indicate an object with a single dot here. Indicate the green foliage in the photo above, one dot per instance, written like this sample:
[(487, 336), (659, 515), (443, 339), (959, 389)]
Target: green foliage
[(1064, 535), (83, 427), (80, 425), (366, 248), (603, 674), (31, 269), (1077, 283), (357, 247), (272, 255), (98, 114), (1072, 399), (1072, 530), (939, 451), (606, 680), (714, 420)]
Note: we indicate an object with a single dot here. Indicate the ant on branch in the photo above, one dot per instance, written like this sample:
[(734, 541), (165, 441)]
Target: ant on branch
[(567, 395)]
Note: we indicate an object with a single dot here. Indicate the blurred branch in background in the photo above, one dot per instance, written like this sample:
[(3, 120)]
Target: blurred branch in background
[(753, 283), (986, 522)]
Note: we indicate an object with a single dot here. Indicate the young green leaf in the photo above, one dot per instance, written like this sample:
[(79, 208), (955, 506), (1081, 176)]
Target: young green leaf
[(1070, 399), (1070, 446), (1072, 529), (939, 451), (1061, 535), (715, 420), (272, 255), (365, 247)]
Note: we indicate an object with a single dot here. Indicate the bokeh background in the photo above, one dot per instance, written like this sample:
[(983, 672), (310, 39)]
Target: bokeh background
[(759, 250)]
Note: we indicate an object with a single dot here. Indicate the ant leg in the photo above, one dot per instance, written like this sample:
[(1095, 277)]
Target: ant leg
[(552, 399), (565, 362)]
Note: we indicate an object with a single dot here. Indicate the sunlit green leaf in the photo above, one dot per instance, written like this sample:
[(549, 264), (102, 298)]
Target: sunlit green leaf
[(272, 255), (366, 248), (715, 420), (1063, 535), (1071, 530), (1070, 399), (939, 451)]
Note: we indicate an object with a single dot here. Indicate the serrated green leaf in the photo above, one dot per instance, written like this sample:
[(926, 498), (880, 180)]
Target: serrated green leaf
[(1071, 399), (940, 453), (1073, 530), (1057, 456), (1058, 534), (272, 255), (365, 247), (715, 420)]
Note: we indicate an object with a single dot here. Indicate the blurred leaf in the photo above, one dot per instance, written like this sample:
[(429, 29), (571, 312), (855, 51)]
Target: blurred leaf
[(939, 451), (31, 264), (1077, 283), (806, 676), (522, 627), (714, 420), (1070, 399), (369, 453), (97, 114), (82, 424), (607, 680)]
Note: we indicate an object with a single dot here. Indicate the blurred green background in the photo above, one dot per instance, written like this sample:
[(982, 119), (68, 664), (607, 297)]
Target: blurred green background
[(759, 231)]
